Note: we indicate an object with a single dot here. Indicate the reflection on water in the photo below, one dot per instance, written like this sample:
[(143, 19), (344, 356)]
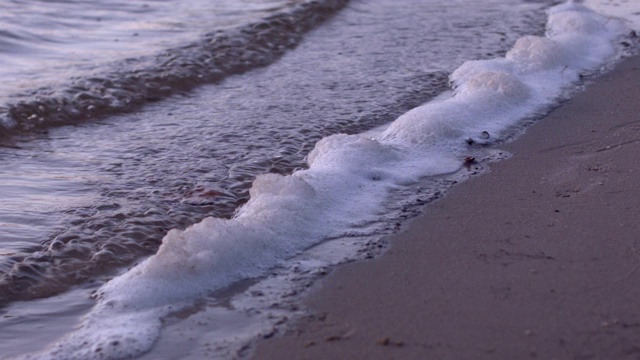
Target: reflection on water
[(35, 187), (45, 42), (26, 326)]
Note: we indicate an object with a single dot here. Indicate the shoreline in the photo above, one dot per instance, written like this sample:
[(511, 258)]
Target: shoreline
[(536, 258)]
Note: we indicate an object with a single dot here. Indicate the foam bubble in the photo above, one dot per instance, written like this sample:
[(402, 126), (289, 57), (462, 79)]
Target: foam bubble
[(535, 53), (352, 153), (427, 125), (496, 86), (571, 18), (585, 37), (628, 11), (483, 100)]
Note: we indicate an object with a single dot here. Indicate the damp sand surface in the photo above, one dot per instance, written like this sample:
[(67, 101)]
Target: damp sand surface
[(538, 258)]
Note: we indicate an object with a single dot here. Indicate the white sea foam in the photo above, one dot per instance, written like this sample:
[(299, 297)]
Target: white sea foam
[(346, 182), (628, 10)]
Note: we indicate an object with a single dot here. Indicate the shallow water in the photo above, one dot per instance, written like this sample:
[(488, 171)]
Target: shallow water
[(26, 326), (131, 178), (84, 202)]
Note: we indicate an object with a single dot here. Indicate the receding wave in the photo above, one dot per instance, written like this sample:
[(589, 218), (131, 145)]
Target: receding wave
[(140, 80)]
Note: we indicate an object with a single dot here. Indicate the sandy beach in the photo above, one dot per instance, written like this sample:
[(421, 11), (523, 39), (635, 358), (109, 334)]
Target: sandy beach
[(536, 259)]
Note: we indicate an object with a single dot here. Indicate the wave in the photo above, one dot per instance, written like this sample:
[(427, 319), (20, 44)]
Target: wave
[(347, 180), (140, 80)]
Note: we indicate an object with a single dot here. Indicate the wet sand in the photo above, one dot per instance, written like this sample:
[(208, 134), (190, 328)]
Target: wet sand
[(536, 259)]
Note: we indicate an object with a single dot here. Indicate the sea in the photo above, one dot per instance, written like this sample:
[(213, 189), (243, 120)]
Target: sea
[(175, 175)]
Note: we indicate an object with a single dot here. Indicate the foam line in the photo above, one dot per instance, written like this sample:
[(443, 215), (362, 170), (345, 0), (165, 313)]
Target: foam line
[(347, 180)]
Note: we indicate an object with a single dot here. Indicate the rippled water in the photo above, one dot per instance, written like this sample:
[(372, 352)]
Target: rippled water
[(110, 190), (44, 43), (128, 83)]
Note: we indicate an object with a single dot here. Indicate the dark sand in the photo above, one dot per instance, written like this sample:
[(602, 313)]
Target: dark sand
[(537, 259)]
